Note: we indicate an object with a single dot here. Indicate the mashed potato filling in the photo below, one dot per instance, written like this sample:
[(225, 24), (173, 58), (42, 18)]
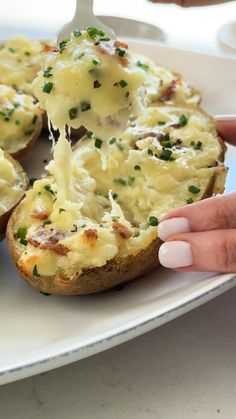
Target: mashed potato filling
[(18, 118), (83, 215), (10, 184), (90, 81), (19, 63)]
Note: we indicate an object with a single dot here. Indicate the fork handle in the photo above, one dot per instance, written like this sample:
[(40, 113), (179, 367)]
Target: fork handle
[(83, 8)]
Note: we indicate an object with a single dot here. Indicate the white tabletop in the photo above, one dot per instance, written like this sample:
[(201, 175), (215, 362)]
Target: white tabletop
[(185, 369)]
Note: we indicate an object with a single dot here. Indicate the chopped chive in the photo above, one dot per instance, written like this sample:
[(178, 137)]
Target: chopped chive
[(131, 180), (196, 145), (89, 134), (32, 180), (27, 53), (85, 106), (161, 122), (12, 50), (24, 242), (120, 181), (17, 122), (98, 143), (183, 120), (46, 222), (194, 189), (48, 189), (34, 119), (63, 44), (47, 73), (94, 32), (137, 167), (80, 56), (112, 141), (114, 195), (142, 65), (121, 51), (150, 152), (95, 61), (77, 33), (165, 154), (115, 217), (120, 146), (104, 39), (123, 83), (35, 271), (189, 201), (21, 233), (153, 221), (29, 132), (95, 72), (47, 87), (73, 112), (61, 210), (74, 229)]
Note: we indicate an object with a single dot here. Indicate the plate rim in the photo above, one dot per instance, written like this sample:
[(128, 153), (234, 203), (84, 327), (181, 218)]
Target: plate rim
[(136, 327)]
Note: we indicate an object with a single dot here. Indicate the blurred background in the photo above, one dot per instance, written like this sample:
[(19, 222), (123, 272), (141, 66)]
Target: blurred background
[(192, 28)]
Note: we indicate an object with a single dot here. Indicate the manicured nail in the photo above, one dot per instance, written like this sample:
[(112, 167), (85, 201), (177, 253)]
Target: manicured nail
[(176, 254), (173, 226)]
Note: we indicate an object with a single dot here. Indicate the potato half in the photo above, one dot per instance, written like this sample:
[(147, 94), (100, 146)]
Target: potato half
[(91, 224), (13, 184), (20, 121)]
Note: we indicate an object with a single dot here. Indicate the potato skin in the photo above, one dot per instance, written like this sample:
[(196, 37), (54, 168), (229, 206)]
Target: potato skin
[(4, 217), (22, 151), (115, 272)]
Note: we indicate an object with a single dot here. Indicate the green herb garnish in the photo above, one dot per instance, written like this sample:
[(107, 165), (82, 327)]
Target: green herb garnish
[(161, 122), (120, 181), (21, 233), (46, 222), (48, 189), (123, 83), (142, 65), (32, 180), (17, 122), (47, 87), (131, 180), (35, 271), (112, 141), (121, 51), (27, 53), (150, 152), (29, 132), (63, 44), (153, 221), (61, 210), (24, 242), (77, 33), (183, 120), (165, 154), (94, 32), (189, 201), (114, 195), (89, 134), (137, 167), (73, 112), (85, 106), (98, 143), (12, 50), (194, 189), (47, 73)]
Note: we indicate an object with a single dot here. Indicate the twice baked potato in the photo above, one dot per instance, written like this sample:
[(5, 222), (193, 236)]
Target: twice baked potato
[(20, 60), (13, 184), (20, 121), (91, 224)]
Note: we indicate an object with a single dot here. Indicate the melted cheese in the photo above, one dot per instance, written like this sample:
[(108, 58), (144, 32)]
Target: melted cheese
[(10, 184), (19, 63), (88, 83), (18, 119), (135, 186)]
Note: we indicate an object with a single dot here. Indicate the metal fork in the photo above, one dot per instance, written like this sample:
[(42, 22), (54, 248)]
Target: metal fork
[(83, 18)]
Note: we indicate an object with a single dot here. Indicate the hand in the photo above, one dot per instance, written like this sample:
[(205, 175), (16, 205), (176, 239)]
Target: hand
[(189, 3), (202, 236)]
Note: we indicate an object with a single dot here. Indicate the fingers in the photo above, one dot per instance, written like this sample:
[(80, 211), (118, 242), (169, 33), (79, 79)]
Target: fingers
[(226, 126), (210, 214), (213, 251)]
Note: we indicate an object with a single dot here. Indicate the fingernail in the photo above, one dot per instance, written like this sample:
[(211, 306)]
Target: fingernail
[(173, 226), (176, 254)]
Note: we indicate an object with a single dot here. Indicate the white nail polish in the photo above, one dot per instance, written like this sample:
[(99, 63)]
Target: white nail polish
[(176, 254), (173, 226)]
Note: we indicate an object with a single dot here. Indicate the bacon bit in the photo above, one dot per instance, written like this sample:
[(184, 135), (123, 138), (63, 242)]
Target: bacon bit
[(159, 136), (120, 44), (48, 240), (124, 61), (122, 230), (50, 48), (40, 213), (170, 90), (91, 234)]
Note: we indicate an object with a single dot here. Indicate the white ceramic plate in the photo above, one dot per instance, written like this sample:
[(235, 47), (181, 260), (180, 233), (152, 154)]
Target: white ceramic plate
[(40, 332)]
